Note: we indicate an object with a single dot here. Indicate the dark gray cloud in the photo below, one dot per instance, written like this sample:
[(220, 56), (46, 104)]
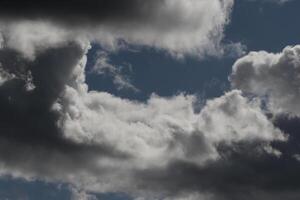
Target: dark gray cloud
[(241, 174), (78, 12), (30, 139)]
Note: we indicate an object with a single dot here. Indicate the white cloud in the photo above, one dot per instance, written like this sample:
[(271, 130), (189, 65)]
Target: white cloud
[(155, 133), (163, 129), (274, 77)]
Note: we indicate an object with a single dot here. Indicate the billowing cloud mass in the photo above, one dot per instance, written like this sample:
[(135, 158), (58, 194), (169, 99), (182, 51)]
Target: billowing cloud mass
[(180, 27), (59, 131), (274, 77), (53, 128)]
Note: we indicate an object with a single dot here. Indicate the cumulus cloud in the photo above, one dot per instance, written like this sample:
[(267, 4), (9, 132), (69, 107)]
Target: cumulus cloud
[(164, 129), (181, 27), (60, 131), (53, 128), (274, 77)]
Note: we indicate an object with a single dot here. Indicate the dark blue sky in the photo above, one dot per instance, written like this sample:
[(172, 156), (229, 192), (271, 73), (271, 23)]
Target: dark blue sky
[(257, 25)]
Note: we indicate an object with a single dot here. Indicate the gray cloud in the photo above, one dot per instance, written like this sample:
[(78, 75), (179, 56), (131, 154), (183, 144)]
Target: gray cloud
[(78, 12)]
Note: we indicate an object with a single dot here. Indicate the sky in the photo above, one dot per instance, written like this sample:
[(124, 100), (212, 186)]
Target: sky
[(149, 100)]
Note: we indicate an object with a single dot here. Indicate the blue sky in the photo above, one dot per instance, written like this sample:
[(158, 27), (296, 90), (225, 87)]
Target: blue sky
[(256, 25)]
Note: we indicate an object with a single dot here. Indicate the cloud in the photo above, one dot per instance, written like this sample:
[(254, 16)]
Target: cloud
[(274, 77), (4, 76), (53, 128), (104, 67), (31, 37), (77, 194), (28, 125), (163, 129), (60, 131), (189, 27)]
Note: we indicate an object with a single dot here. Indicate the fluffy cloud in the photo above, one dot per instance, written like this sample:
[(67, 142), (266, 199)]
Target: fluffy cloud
[(53, 128), (60, 131), (274, 77), (180, 27), (163, 129)]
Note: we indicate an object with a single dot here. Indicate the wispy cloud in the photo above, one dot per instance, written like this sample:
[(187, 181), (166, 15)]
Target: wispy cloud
[(103, 66)]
